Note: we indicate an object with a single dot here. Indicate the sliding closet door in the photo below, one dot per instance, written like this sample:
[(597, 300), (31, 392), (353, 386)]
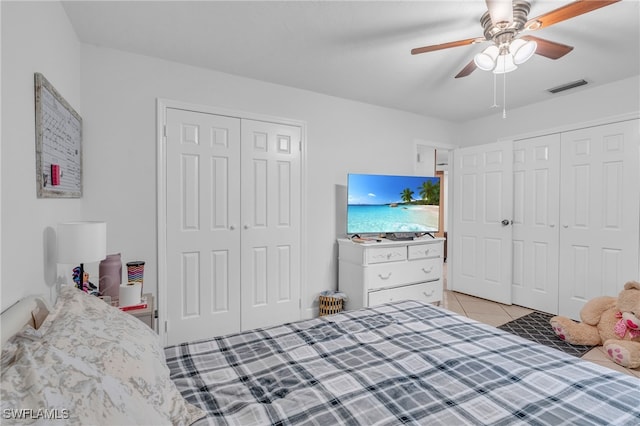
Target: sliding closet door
[(536, 198), (482, 213), (599, 213)]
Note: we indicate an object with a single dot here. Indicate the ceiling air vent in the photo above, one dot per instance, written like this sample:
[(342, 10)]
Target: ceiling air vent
[(567, 86)]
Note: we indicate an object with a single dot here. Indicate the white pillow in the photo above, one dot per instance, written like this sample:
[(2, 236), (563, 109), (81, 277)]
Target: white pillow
[(93, 364)]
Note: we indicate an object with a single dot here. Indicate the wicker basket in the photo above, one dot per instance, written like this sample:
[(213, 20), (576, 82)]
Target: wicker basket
[(330, 305)]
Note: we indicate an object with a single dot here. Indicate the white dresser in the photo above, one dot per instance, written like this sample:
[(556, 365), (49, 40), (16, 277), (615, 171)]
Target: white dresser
[(379, 272)]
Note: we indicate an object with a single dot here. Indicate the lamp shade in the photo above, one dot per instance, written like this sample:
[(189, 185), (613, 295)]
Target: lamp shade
[(504, 64), (522, 50), (486, 60), (81, 242)]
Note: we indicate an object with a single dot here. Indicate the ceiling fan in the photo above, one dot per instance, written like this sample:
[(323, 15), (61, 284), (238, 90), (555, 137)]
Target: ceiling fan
[(503, 23)]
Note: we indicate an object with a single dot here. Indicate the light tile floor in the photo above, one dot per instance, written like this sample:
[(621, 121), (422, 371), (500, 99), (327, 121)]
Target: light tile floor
[(496, 314)]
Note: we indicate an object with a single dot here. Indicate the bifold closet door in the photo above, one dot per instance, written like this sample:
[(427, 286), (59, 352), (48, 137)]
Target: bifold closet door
[(599, 222), (271, 228), (482, 214), (203, 229), (233, 224), (536, 198)]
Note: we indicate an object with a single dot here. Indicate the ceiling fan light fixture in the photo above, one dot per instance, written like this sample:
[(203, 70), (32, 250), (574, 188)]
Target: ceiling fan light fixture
[(504, 64), (522, 50), (486, 60)]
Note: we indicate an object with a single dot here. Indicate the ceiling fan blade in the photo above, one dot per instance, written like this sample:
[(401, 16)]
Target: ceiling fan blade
[(549, 49), (468, 69), (568, 11), (434, 47)]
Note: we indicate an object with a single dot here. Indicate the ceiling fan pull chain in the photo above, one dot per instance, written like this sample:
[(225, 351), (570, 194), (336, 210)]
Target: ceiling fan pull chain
[(504, 95), (495, 90)]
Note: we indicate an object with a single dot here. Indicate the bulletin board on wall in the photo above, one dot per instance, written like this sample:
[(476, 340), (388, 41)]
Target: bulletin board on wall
[(58, 144)]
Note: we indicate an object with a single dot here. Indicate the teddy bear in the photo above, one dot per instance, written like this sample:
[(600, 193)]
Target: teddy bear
[(611, 322)]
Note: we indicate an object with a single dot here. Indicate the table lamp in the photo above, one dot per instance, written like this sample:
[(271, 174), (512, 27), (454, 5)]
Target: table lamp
[(81, 242)]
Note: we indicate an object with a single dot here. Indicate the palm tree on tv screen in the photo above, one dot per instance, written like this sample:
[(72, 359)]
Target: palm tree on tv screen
[(430, 192), (407, 195)]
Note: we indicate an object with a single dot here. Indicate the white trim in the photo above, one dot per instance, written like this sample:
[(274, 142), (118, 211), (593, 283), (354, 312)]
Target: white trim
[(304, 287), (162, 105), (436, 145), (161, 219), (574, 126), (187, 106)]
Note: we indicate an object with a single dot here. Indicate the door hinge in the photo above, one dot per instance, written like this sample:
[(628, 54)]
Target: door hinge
[(299, 145), (165, 326), (164, 130)]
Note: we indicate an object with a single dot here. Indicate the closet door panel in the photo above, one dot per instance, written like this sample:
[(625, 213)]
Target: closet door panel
[(270, 194), (536, 175), (600, 213), (481, 261), (203, 239)]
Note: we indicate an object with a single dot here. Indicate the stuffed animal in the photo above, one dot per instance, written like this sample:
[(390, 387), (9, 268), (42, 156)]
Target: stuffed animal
[(611, 322)]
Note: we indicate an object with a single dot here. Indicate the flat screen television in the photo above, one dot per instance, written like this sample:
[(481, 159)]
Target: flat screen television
[(386, 204)]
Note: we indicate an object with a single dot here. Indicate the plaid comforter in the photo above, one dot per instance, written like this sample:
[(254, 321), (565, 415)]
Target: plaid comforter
[(404, 362)]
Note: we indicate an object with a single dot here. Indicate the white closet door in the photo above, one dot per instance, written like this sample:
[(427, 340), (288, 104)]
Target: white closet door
[(536, 179), (482, 213), (202, 229), (600, 183), (271, 226)]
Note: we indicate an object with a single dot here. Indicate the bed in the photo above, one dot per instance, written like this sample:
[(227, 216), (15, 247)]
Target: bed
[(399, 363), (84, 362)]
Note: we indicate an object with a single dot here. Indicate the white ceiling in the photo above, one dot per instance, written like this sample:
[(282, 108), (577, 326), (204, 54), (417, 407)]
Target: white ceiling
[(360, 50)]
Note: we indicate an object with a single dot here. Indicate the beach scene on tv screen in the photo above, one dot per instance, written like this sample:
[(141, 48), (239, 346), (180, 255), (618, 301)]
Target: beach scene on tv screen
[(387, 204)]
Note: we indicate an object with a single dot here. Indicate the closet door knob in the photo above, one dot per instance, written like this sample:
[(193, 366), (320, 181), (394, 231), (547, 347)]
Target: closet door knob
[(246, 227), (231, 228)]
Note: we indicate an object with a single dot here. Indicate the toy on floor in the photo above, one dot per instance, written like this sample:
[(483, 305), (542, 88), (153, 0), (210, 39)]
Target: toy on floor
[(611, 322)]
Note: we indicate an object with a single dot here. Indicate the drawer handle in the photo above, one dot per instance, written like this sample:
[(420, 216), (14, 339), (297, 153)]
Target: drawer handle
[(427, 271), (384, 278), (428, 294)]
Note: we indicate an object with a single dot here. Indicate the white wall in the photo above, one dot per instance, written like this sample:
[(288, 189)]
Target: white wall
[(561, 111), (36, 37), (1, 239), (115, 93), (119, 92)]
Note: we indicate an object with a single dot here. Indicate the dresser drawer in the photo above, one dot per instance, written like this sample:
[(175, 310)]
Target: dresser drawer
[(426, 292), (394, 274), (390, 270), (422, 251), (385, 254)]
